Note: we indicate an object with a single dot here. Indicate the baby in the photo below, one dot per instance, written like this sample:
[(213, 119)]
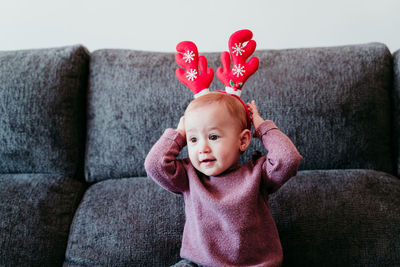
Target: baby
[(228, 220)]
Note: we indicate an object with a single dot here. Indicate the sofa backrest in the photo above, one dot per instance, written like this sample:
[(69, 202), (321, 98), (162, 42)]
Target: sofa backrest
[(42, 110), (133, 96), (333, 102)]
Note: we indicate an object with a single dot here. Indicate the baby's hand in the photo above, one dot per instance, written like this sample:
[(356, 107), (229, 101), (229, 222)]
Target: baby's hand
[(181, 127), (256, 118)]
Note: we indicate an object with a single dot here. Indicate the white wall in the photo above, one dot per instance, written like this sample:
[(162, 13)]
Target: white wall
[(160, 25)]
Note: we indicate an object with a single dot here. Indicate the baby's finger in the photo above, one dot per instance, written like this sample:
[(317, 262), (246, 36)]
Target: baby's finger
[(181, 123), (252, 106), (249, 107)]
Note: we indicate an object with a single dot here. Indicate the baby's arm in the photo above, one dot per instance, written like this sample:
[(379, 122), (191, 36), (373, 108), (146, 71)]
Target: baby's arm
[(283, 159), (161, 163)]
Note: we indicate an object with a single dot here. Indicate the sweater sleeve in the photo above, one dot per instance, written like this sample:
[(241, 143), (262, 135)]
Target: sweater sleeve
[(282, 160), (162, 165)]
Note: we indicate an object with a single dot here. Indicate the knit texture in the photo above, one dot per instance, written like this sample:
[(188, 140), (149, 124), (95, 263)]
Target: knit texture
[(339, 218), (133, 96), (42, 110), (228, 221), (333, 103), (324, 218), (126, 222), (42, 129), (36, 213)]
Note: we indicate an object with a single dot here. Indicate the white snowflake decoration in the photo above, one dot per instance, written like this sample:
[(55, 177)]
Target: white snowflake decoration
[(188, 56), (238, 48), (238, 70), (191, 75)]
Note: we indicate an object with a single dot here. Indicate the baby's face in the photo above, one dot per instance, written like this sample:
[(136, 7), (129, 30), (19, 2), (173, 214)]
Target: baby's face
[(213, 139)]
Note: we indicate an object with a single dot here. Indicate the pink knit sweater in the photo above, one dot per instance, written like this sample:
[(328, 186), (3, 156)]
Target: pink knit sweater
[(228, 220)]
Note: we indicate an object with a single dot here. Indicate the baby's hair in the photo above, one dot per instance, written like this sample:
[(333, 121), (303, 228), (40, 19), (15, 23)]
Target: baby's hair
[(233, 105)]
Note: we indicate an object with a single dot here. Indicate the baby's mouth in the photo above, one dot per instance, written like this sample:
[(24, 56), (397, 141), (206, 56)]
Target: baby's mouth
[(206, 161)]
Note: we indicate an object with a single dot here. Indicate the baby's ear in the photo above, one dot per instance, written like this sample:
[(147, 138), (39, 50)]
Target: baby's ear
[(245, 138)]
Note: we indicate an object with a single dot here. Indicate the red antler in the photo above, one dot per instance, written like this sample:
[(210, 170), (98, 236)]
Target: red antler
[(241, 47), (188, 58)]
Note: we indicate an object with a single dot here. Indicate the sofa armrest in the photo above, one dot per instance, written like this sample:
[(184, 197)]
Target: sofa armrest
[(396, 109)]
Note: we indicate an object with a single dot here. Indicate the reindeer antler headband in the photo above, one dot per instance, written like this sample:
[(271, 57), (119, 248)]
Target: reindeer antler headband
[(198, 77), (241, 47), (189, 59)]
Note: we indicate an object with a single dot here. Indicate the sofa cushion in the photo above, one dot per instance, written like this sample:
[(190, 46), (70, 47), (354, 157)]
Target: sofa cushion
[(126, 222), (324, 218), (36, 211), (332, 102), (339, 218), (133, 96), (42, 110)]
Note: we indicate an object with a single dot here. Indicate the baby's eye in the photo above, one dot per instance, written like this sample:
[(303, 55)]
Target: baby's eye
[(193, 140), (213, 137)]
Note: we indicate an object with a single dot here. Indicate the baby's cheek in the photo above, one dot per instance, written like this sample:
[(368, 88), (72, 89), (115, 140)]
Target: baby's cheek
[(191, 155)]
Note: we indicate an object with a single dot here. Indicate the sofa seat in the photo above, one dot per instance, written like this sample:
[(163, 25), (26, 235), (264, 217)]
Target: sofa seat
[(126, 222), (339, 218), (348, 215), (37, 211)]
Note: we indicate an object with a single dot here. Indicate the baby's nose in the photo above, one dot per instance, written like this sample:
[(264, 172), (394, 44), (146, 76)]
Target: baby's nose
[(205, 147)]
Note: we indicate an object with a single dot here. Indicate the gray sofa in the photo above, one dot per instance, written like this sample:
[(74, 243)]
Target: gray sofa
[(76, 126)]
